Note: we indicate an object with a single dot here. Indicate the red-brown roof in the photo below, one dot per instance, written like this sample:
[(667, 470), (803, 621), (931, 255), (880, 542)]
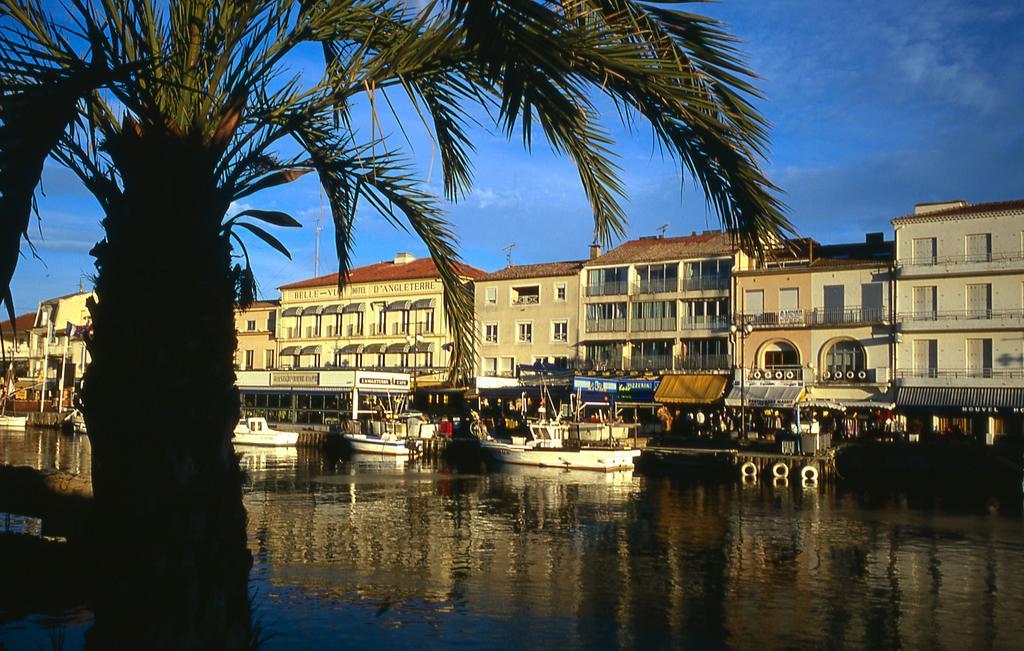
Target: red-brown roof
[(541, 270), (969, 209), (658, 249), (21, 322), (387, 270)]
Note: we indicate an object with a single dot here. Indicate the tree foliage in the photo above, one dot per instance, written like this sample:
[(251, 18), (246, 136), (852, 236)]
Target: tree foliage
[(215, 72)]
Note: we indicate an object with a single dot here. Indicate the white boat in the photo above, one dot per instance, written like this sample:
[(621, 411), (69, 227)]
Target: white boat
[(255, 431), (384, 444), (13, 422), (546, 447)]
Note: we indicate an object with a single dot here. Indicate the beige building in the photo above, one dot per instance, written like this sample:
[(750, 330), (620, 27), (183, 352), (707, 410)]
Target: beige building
[(527, 314), (57, 336), (390, 315), (17, 343), (819, 329), (960, 313), (257, 345), (659, 304)]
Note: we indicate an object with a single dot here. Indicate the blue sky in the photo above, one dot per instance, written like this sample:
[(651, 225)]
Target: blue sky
[(875, 105)]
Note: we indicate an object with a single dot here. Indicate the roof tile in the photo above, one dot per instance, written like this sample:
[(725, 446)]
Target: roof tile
[(387, 270), (658, 249), (542, 270)]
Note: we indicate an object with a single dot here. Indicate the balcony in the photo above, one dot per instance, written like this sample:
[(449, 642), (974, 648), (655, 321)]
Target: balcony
[(661, 324), (606, 325), (705, 363), (651, 363), (424, 328), (961, 373), (658, 285), (706, 283), (600, 365), (528, 299), (399, 329), (353, 331), (707, 322), (847, 316), (960, 319), (608, 289), (783, 319), (862, 376), (962, 263), (377, 329)]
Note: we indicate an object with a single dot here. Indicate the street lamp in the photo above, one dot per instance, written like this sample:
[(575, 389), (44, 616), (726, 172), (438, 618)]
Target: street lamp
[(412, 340), (741, 333)]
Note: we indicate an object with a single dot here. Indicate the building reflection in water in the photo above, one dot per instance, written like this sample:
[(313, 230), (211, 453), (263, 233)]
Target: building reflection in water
[(369, 547), (370, 551)]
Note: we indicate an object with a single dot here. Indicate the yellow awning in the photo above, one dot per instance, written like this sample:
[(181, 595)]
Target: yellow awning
[(690, 389)]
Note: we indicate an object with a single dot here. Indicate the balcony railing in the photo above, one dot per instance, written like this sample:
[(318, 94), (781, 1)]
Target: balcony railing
[(705, 363), (608, 289), (848, 376), (961, 315), (703, 283), (963, 258), (973, 373), (658, 285), (776, 319), (528, 299), (651, 363), (584, 364), (424, 328), (660, 324), (707, 322), (399, 328), (606, 325), (847, 315), (377, 329), (354, 331)]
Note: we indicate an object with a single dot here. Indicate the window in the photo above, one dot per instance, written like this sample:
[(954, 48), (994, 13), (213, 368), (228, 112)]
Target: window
[(654, 316), (979, 357), (923, 251), (651, 355), (979, 301), (706, 314), (605, 356), (250, 325), (524, 332), (250, 355), (707, 274), (560, 331), (925, 303), (926, 357), (490, 365), (789, 301), (527, 295), (753, 302), (780, 354), (607, 282), (268, 359), (492, 295), (978, 247), (606, 317), (490, 333), (705, 354), (508, 365), (872, 301), (658, 278), (560, 292), (844, 357)]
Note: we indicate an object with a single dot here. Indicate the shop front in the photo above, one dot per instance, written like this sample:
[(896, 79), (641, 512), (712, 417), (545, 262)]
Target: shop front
[(769, 406), (982, 413)]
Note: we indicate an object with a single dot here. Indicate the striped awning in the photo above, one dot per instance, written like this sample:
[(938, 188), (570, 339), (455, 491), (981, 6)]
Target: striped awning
[(334, 309), (424, 304), (351, 349), (398, 305), (354, 307), (292, 311), (290, 350), (960, 397), (398, 348), (782, 396), (311, 350), (423, 347), (374, 348), (312, 309)]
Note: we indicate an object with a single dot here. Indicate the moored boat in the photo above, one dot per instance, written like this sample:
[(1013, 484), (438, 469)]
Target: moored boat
[(255, 431), (13, 422), (384, 444), (547, 446)]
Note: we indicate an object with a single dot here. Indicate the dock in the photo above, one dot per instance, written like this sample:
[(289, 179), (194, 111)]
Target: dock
[(747, 465)]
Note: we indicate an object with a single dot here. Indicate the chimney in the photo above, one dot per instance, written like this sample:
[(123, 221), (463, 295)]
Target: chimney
[(925, 208), (874, 238), (404, 258), (595, 250)]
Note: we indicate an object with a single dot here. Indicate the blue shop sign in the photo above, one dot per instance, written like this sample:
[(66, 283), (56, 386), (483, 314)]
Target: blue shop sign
[(623, 390), (598, 385)]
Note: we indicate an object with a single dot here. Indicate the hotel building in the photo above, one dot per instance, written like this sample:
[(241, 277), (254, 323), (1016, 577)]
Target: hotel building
[(257, 344), (389, 315), (960, 317), (527, 314)]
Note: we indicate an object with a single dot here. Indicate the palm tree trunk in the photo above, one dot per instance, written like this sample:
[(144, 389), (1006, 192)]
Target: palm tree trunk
[(159, 402)]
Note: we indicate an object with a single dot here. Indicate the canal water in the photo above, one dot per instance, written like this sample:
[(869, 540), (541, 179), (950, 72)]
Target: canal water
[(354, 552)]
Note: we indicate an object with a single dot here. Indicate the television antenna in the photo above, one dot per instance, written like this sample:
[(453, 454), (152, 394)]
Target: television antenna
[(661, 230), (316, 235), (508, 253)]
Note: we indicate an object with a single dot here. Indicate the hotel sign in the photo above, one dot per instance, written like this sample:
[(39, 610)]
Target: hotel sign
[(294, 379), (383, 381), (365, 290)]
